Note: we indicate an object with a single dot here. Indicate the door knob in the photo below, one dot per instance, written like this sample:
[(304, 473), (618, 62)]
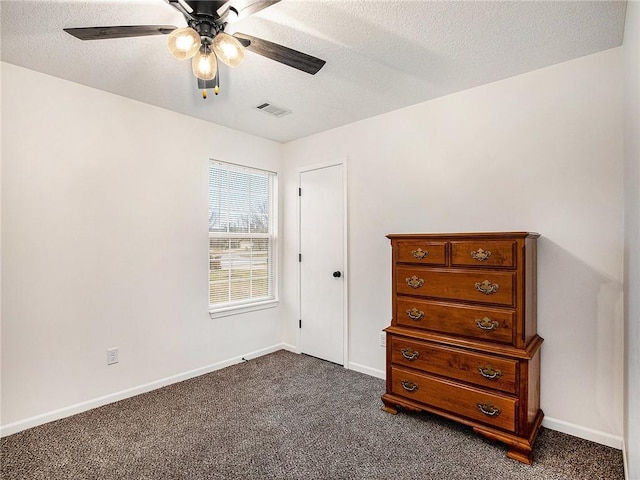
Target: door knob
[(337, 274)]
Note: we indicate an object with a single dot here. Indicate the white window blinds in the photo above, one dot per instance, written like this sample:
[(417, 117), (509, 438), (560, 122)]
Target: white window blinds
[(241, 236)]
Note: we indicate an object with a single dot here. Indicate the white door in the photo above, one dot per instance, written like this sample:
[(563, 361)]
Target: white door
[(322, 275)]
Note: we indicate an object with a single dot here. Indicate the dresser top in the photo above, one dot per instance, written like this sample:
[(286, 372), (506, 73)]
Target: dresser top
[(459, 236)]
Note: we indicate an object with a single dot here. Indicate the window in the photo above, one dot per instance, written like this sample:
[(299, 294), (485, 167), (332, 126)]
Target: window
[(242, 226)]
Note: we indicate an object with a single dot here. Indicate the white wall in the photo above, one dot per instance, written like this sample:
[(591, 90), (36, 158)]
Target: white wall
[(540, 152), (104, 243), (631, 47)]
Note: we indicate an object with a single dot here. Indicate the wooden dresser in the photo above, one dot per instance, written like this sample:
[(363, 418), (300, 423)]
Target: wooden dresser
[(462, 342)]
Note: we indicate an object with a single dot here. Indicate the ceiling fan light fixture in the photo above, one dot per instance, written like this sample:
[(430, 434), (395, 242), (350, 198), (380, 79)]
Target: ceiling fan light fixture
[(204, 64), (228, 49), (183, 43)]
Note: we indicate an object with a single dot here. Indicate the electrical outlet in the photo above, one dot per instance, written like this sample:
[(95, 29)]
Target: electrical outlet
[(112, 355), (383, 339)]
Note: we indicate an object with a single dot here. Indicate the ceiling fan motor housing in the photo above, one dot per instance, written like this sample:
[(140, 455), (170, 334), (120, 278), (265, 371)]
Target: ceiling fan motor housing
[(206, 29), (205, 18)]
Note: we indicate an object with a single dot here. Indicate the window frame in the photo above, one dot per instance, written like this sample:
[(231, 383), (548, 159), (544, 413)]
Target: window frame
[(244, 306)]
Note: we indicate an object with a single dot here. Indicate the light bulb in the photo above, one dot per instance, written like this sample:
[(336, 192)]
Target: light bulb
[(183, 43), (204, 64), (228, 49)]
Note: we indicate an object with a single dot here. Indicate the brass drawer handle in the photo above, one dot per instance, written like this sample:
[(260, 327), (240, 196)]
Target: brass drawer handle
[(480, 254), (409, 353), (419, 253), (487, 287), (489, 372), (488, 409), (414, 282), (415, 314), (409, 386), (487, 324)]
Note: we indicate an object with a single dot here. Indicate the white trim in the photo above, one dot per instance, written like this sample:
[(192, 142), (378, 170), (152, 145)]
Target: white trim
[(613, 441), (238, 309), (372, 372), (625, 460), (345, 256), (290, 348), (240, 167), (41, 419), (321, 165)]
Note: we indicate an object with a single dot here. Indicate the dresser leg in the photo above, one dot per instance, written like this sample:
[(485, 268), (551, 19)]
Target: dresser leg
[(520, 449), (389, 407), (522, 455)]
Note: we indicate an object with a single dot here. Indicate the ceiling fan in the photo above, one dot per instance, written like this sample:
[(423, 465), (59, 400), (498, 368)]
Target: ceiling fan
[(205, 41)]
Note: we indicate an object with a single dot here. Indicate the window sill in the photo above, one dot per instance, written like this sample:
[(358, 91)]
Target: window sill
[(237, 310)]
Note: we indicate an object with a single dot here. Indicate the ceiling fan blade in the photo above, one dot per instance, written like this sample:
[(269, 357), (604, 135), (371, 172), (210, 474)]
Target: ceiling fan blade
[(244, 8), (282, 54), (183, 7), (99, 33)]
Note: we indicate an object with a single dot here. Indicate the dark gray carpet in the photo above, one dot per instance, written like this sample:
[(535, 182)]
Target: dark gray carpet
[(282, 416)]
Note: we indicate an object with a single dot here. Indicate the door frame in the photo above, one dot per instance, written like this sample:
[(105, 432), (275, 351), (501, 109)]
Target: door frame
[(345, 244)]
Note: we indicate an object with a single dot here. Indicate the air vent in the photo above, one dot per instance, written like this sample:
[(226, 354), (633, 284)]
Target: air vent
[(273, 110)]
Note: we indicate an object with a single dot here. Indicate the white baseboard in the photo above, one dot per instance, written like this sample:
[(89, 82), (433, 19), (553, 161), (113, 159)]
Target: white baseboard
[(20, 425), (586, 433), (290, 348), (625, 460), (367, 370)]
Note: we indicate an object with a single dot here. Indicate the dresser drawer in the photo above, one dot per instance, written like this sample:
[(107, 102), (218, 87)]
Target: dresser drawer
[(473, 403), (484, 286), (483, 253), (479, 369), (490, 324), (421, 252)]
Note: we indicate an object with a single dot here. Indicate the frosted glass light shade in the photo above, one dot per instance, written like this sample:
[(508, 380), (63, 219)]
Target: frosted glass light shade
[(204, 64), (183, 43), (228, 49)]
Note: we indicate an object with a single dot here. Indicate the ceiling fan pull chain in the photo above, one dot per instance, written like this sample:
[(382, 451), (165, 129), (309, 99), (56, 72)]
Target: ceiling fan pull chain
[(216, 79), (216, 89)]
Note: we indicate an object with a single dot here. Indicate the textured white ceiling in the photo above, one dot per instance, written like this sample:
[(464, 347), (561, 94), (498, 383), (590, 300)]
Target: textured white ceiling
[(381, 55)]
